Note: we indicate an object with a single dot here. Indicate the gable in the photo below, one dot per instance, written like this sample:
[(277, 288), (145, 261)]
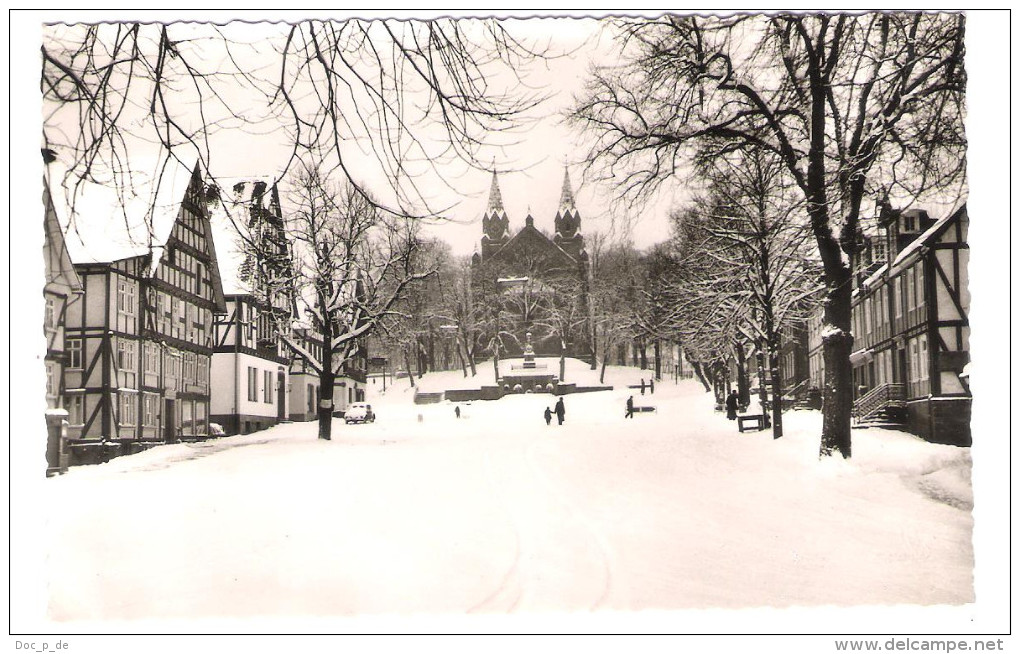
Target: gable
[(187, 256), (530, 247)]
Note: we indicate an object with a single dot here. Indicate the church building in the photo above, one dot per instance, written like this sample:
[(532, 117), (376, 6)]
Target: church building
[(533, 281)]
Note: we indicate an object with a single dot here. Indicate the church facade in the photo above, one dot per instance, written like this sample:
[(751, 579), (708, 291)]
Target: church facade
[(532, 282)]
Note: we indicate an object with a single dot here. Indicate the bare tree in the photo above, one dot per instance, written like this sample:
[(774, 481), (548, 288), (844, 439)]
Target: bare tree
[(353, 263), (405, 98), (755, 228), (854, 106)]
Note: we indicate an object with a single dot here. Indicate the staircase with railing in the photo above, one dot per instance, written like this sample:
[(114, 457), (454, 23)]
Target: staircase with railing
[(882, 405)]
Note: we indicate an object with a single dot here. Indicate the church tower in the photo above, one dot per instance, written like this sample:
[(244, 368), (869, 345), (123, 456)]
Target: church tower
[(495, 224), (568, 222)]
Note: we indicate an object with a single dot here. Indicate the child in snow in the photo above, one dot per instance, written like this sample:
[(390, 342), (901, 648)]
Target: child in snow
[(548, 416)]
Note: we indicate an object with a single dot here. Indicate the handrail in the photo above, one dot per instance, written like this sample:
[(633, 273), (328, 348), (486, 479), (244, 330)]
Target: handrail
[(877, 398)]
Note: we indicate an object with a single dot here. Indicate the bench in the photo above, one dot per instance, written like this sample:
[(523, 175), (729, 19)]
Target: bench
[(644, 409), (757, 419)]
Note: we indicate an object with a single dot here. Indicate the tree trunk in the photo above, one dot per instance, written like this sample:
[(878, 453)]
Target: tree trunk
[(602, 375), (658, 360), (763, 394), (326, 381), (407, 364), (701, 375), (837, 391), (644, 355), (495, 364), (563, 361), (743, 388), (460, 355), (777, 391)]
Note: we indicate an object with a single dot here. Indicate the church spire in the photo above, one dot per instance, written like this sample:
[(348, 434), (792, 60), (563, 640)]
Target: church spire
[(567, 194), (495, 198)]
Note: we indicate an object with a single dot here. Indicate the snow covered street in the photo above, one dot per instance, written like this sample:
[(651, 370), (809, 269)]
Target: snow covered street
[(496, 513)]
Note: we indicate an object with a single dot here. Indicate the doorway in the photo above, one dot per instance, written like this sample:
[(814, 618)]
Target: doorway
[(170, 421)]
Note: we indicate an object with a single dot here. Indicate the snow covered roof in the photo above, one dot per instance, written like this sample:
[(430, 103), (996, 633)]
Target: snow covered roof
[(228, 218), (104, 223), (927, 236)]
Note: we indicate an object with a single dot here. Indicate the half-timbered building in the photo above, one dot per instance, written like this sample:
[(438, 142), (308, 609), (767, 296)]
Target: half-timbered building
[(911, 329), (61, 288), (138, 344), (250, 363)]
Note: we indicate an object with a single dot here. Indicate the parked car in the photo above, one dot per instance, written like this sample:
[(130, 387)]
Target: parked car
[(359, 412), (216, 429)]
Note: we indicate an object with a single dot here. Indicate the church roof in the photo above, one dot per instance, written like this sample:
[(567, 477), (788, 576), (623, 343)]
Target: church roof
[(529, 239)]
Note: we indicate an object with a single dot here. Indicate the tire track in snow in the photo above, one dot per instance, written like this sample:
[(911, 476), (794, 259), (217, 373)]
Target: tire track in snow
[(547, 526), (509, 588), (602, 546)]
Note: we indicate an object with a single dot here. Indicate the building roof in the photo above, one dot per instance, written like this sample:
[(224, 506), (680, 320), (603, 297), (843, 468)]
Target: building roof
[(229, 219), (59, 267), (105, 223), (926, 238), (906, 255)]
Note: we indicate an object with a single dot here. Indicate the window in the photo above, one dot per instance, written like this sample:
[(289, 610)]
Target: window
[(128, 408), (203, 370), (311, 399), (51, 313), (267, 391), (51, 379), (189, 367), (878, 249), (200, 417), (76, 409), (126, 355), (253, 385), (125, 297), (150, 410), (902, 279), (151, 362), (187, 420), (74, 353), (910, 289), (919, 286), (922, 356)]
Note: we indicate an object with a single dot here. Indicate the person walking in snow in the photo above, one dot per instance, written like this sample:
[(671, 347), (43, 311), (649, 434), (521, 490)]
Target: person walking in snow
[(731, 405), (561, 411), (456, 410), (548, 416), (630, 407)]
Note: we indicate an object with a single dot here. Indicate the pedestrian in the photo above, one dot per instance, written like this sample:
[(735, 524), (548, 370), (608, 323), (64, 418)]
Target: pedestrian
[(630, 407), (642, 385), (651, 385), (456, 410), (548, 415), (731, 405), (561, 411)]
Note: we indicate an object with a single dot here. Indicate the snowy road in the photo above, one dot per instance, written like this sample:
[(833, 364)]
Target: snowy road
[(498, 513)]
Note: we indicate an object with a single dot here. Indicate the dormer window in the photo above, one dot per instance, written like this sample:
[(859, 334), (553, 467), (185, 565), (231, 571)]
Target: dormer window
[(909, 222)]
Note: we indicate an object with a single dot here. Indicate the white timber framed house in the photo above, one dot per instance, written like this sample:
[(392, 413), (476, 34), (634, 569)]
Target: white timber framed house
[(139, 343), (911, 329), (251, 363)]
